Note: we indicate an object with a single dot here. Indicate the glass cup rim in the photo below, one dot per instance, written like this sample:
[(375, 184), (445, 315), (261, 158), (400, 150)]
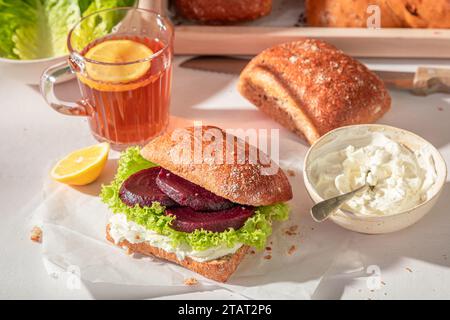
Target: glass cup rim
[(166, 21)]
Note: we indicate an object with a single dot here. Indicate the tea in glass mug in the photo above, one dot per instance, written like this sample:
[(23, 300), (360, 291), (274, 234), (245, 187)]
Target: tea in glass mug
[(123, 62)]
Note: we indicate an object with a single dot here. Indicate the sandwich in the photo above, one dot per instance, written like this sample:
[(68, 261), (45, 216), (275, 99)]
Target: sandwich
[(200, 209)]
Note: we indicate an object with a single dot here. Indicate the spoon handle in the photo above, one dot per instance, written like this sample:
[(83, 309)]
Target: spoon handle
[(322, 210)]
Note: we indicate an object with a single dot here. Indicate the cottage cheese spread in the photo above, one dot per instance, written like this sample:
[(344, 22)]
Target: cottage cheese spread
[(400, 177), (121, 229)]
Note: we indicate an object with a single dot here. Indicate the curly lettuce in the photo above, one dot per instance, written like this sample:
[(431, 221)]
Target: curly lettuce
[(254, 233), (35, 29)]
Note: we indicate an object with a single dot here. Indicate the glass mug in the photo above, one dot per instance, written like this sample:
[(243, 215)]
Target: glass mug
[(123, 62)]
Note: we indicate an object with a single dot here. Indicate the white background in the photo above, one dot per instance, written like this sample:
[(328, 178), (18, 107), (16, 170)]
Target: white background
[(33, 137)]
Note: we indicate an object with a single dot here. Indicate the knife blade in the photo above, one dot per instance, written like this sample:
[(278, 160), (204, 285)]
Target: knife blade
[(423, 82)]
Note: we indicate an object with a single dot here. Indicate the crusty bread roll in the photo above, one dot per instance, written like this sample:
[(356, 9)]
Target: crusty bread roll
[(393, 13), (219, 270), (348, 13), (241, 180), (223, 11), (422, 13), (310, 87)]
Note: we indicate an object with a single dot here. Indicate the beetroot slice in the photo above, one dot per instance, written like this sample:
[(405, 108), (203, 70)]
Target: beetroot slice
[(188, 220), (189, 194), (140, 188)]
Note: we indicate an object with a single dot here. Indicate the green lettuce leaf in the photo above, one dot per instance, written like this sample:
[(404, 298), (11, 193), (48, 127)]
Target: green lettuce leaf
[(254, 233), (18, 20), (34, 29)]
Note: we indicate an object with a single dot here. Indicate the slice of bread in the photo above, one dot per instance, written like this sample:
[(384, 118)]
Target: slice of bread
[(241, 180), (311, 87), (219, 270)]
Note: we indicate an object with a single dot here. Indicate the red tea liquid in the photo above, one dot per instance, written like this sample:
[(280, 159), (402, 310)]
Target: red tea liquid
[(133, 112)]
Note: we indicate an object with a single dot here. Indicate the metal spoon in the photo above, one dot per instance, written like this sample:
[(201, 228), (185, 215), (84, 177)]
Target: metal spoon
[(322, 210)]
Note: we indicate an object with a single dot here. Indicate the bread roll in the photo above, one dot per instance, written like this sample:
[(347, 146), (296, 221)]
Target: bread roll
[(240, 180), (348, 13), (422, 13), (310, 87), (223, 11)]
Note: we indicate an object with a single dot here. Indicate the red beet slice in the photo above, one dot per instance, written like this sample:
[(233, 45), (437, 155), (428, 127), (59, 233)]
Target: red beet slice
[(140, 188), (188, 220), (189, 194)]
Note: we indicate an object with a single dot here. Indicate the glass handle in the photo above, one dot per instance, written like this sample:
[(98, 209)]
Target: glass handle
[(48, 80)]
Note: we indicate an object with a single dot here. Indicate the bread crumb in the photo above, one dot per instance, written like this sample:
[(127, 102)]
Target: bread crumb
[(292, 249), (36, 234), (408, 269), (190, 281), (291, 231), (128, 251), (268, 257), (253, 252), (268, 248), (291, 173)]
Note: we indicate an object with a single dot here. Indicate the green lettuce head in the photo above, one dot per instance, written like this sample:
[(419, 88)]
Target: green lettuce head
[(36, 29)]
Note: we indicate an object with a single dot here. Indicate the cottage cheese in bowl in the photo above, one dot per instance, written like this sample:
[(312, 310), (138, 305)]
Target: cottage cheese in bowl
[(403, 170), (400, 178)]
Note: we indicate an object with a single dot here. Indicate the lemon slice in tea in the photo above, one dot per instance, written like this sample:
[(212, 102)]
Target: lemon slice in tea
[(82, 166), (118, 51)]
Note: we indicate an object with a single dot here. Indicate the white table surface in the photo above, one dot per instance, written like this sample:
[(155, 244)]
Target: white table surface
[(33, 136)]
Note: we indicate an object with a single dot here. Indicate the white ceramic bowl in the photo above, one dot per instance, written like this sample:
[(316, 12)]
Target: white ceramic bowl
[(378, 224), (27, 71)]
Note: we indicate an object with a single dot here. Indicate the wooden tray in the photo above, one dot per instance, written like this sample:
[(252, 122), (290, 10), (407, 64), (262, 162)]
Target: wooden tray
[(284, 24), (360, 42)]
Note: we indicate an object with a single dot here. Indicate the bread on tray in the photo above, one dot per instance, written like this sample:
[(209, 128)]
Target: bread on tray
[(393, 13), (348, 13), (310, 87), (223, 11), (421, 13)]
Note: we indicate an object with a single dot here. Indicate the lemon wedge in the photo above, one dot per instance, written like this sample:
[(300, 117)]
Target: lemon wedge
[(82, 166), (118, 51)]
